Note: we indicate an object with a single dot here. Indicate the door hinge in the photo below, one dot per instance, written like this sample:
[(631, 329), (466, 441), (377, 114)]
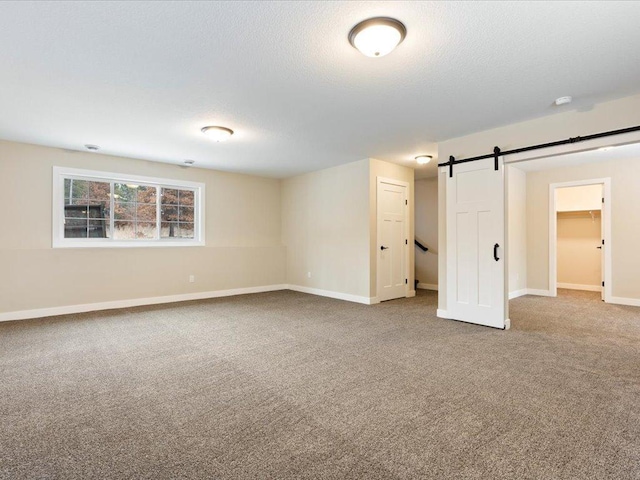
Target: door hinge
[(602, 199), (603, 241), (406, 280), (406, 202), (406, 242), (603, 284)]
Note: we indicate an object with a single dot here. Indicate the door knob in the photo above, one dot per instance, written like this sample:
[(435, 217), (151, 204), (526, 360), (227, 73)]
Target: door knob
[(382, 247), (599, 248)]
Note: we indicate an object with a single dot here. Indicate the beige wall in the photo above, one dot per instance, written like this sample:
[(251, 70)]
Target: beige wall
[(606, 116), (396, 172), (325, 228), (579, 259), (585, 197), (243, 245), (329, 227), (426, 225), (625, 221), (517, 228)]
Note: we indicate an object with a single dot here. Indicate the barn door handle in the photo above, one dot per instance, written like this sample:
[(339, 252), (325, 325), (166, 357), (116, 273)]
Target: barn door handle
[(495, 252), (382, 247)]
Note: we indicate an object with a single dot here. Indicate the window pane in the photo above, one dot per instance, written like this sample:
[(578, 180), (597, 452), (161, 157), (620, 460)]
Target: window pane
[(124, 211), (98, 191), (134, 230), (76, 211), (124, 230), (98, 228), (169, 214), (169, 196), (75, 228), (146, 213), (78, 192), (169, 230), (186, 214), (146, 194), (145, 230), (186, 198), (186, 230)]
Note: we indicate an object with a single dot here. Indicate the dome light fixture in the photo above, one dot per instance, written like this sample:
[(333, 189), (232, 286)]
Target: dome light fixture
[(423, 159), (376, 37), (218, 134)]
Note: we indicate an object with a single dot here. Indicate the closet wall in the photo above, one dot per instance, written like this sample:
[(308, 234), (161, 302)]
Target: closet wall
[(579, 235)]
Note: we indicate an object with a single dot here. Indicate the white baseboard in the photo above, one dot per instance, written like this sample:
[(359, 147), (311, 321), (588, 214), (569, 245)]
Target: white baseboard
[(428, 286), (517, 293), (338, 295), (574, 286), (633, 302), (442, 314), (134, 302), (540, 293), (507, 324)]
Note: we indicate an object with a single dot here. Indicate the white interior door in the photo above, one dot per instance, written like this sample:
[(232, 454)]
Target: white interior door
[(392, 239), (603, 244), (476, 253)]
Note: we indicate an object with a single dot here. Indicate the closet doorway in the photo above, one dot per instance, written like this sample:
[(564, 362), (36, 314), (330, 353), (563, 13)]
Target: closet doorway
[(579, 254)]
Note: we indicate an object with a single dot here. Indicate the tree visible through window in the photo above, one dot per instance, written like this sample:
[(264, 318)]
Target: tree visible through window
[(176, 213), (119, 210)]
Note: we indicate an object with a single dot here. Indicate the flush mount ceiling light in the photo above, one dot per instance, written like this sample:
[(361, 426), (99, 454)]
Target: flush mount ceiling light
[(378, 36), (92, 148), (188, 163), (423, 159), (218, 134)]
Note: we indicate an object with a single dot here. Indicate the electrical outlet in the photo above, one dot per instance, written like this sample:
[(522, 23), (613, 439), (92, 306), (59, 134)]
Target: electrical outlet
[(192, 278)]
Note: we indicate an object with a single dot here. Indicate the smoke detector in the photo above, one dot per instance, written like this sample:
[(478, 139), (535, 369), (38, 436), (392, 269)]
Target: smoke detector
[(563, 100)]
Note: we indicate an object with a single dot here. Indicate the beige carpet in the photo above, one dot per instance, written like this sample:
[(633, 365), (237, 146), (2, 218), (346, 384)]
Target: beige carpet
[(285, 385)]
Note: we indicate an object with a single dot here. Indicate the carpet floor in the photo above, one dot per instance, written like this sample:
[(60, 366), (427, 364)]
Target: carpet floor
[(286, 385)]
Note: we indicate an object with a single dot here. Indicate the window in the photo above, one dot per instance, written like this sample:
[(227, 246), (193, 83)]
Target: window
[(98, 209)]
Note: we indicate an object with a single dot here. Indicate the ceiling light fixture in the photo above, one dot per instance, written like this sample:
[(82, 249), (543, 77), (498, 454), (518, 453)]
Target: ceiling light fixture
[(188, 163), (92, 148), (423, 159), (218, 134), (377, 36)]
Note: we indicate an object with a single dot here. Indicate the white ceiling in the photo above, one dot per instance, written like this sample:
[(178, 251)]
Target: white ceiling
[(140, 79)]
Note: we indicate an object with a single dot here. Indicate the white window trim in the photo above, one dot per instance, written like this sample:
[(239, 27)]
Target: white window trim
[(58, 240)]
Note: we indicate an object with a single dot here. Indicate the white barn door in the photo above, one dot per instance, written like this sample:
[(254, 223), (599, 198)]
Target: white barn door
[(476, 253)]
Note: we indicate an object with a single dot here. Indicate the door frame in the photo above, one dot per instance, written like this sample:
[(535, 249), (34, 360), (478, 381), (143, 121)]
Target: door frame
[(407, 230), (553, 232)]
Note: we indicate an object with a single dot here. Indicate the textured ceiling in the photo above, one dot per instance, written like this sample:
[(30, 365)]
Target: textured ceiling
[(140, 79)]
